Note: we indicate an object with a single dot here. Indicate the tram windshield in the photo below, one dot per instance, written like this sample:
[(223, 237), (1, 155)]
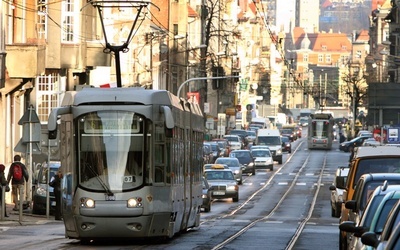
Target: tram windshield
[(320, 129), (111, 150)]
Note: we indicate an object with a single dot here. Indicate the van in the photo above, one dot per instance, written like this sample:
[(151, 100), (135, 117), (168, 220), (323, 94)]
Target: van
[(372, 159), (272, 139)]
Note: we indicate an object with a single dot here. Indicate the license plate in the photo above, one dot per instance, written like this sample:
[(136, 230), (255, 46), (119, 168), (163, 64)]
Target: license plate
[(219, 193)]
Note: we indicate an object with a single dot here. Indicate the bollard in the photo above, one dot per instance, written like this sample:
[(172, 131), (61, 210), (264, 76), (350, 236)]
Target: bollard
[(21, 201)]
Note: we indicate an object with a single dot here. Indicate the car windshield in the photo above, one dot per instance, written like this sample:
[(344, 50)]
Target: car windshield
[(232, 138), (219, 175), (285, 139), (229, 162), (261, 153), (269, 140)]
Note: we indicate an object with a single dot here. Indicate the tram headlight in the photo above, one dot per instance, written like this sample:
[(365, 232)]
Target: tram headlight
[(87, 202), (135, 202)]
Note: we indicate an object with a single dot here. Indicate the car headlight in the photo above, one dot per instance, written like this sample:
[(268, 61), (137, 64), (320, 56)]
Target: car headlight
[(204, 196), (279, 151), (236, 171), (251, 164), (232, 188)]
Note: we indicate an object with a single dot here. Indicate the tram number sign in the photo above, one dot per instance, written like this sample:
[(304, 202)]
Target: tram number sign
[(110, 197), (219, 193), (129, 178)]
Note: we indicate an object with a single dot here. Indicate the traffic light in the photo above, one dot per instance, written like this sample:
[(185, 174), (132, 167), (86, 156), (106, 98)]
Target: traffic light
[(217, 71)]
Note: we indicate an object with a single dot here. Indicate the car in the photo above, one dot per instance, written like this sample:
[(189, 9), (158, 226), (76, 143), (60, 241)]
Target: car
[(289, 133), (41, 184), (337, 188), (298, 130), (224, 145), (234, 141), (246, 159), (258, 147), (207, 153), (381, 241), (364, 133), (371, 142), (234, 165), (303, 121), (206, 195), (263, 159), (222, 183), (347, 146), (216, 150), (240, 132), (286, 144), (381, 201), (364, 187), (214, 165), (251, 136)]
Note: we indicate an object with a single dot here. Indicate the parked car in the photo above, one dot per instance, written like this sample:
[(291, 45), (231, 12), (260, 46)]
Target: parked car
[(371, 142), (206, 196), (337, 188), (234, 165), (286, 144), (263, 159), (222, 183), (364, 187), (356, 142), (246, 159), (380, 203), (42, 183), (381, 241)]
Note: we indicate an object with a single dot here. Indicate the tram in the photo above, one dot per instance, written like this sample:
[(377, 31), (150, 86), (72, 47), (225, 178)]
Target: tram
[(320, 131), (132, 162)]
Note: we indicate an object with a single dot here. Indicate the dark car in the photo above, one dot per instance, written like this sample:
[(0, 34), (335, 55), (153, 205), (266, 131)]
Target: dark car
[(349, 145), (289, 133), (206, 196), (40, 193), (286, 145), (246, 159)]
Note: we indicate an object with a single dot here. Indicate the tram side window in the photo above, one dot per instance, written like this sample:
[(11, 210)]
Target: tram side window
[(159, 158)]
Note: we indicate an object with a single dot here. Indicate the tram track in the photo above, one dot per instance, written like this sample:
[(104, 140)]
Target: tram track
[(278, 205)]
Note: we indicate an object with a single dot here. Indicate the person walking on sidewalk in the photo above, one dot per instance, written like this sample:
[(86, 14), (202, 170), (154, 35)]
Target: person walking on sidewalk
[(19, 175), (55, 182), (4, 184)]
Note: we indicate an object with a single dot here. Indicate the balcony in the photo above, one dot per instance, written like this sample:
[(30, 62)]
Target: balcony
[(25, 60)]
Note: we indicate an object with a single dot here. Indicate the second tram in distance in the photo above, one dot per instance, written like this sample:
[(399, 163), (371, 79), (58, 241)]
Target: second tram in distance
[(320, 131)]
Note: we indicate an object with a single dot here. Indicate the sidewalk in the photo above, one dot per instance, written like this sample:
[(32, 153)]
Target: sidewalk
[(27, 218)]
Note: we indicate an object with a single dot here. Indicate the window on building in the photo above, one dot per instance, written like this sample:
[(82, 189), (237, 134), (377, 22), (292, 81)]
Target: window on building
[(69, 22), (328, 58), (324, 47), (320, 58), (48, 95), (305, 57), (41, 23)]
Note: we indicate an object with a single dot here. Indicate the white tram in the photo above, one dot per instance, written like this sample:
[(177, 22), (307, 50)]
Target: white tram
[(320, 131), (132, 162)]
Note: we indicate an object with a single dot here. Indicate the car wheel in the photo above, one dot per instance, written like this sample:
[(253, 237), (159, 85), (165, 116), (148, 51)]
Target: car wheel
[(280, 161), (236, 198), (271, 168), (208, 208), (254, 171)]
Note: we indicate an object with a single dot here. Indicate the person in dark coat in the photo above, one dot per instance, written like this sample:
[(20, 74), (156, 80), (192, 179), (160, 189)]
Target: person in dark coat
[(55, 182), (18, 186), (4, 184)]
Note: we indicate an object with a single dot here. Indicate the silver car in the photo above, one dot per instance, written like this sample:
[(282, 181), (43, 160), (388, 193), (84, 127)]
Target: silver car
[(234, 165)]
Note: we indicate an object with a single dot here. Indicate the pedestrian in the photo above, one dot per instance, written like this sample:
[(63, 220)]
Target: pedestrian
[(3, 183), (19, 175), (55, 182)]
